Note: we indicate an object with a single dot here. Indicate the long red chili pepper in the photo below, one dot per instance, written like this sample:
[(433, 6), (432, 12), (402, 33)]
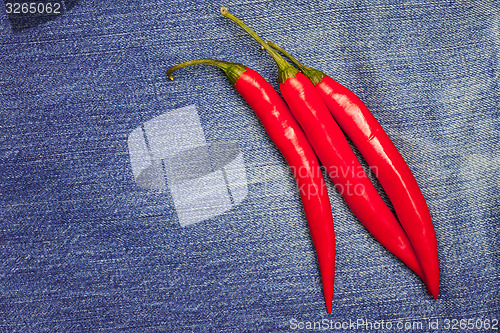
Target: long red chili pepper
[(336, 155), (289, 138), (393, 173)]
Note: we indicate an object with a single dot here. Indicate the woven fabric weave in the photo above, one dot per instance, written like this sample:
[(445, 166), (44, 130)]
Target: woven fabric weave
[(83, 248)]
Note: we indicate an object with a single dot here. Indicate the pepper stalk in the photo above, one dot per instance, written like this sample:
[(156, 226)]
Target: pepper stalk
[(313, 74), (233, 70), (285, 69)]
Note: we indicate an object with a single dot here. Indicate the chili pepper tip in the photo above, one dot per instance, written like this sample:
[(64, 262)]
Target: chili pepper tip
[(223, 10), (329, 307)]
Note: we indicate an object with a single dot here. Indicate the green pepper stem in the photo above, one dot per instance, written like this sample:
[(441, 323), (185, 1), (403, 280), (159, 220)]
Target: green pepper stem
[(233, 70), (285, 69), (288, 55), (218, 63), (313, 74)]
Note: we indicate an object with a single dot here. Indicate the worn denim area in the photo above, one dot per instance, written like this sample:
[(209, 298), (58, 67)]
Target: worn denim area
[(83, 248)]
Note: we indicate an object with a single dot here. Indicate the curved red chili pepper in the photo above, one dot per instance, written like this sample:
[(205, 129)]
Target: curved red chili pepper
[(289, 138), (336, 155), (393, 173)]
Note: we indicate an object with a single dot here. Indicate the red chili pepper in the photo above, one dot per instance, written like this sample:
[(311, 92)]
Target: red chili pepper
[(393, 173), (291, 141), (336, 155)]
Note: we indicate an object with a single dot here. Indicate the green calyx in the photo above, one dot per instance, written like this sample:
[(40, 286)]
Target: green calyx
[(285, 70), (286, 73), (313, 74), (233, 70)]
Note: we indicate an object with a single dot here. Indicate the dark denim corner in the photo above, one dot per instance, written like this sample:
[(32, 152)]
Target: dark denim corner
[(31, 13), (83, 248)]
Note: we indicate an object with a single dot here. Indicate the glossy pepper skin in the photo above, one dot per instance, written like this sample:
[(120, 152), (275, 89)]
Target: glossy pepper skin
[(394, 175), (289, 138), (336, 155)]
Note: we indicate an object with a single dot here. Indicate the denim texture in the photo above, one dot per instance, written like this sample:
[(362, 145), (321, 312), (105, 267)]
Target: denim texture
[(84, 249)]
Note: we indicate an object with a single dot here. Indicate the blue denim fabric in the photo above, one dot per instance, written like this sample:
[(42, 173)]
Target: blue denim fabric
[(84, 249)]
